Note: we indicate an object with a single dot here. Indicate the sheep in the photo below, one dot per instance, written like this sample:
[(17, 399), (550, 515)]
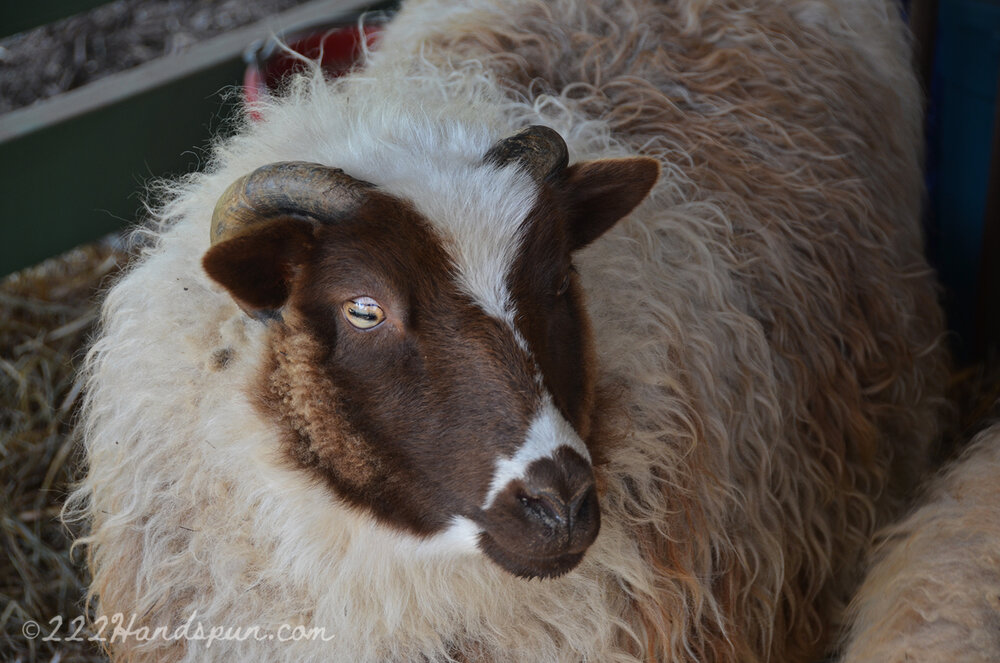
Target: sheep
[(559, 331), (933, 592)]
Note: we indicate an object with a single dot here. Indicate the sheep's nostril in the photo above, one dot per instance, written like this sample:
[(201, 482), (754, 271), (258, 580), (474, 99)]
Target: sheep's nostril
[(551, 513), (547, 508), (564, 504), (581, 507)]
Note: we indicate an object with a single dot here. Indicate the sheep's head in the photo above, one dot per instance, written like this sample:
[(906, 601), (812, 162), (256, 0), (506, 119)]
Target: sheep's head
[(442, 406)]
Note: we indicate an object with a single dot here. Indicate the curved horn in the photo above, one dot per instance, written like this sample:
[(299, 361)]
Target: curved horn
[(285, 188), (540, 150)]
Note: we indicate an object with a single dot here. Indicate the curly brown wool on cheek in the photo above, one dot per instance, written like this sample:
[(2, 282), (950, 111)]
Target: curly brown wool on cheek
[(406, 420), (300, 395), (429, 458)]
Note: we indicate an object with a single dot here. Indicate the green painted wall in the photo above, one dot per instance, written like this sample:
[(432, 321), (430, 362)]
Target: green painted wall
[(77, 180), (18, 15)]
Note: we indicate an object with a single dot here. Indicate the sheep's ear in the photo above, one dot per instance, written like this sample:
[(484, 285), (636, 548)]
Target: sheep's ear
[(600, 193), (258, 266)]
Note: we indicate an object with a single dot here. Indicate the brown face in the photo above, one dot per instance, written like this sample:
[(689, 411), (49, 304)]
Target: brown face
[(406, 398)]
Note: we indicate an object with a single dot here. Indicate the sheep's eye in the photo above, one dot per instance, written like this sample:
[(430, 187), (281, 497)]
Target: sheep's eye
[(363, 312)]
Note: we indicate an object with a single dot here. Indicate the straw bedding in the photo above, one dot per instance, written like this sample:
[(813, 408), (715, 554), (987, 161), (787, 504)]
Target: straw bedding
[(46, 313)]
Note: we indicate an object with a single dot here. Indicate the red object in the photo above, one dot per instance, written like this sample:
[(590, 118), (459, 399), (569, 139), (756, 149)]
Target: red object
[(337, 46)]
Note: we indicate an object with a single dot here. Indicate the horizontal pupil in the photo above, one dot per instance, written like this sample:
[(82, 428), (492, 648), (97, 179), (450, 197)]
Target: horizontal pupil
[(370, 313)]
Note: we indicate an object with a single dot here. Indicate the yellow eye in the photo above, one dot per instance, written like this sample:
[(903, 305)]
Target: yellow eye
[(363, 312)]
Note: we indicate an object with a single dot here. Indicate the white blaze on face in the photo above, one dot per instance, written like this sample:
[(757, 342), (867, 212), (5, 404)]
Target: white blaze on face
[(485, 242), (479, 213), (483, 232), (548, 432)]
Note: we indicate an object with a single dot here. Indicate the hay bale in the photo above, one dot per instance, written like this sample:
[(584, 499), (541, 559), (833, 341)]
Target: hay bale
[(46, 315)]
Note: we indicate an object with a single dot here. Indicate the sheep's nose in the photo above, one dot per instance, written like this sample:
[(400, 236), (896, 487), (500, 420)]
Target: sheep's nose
[(561, 497), (541, 524)]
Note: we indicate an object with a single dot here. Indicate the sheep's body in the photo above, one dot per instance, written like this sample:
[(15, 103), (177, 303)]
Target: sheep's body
[(765, 325), (933, 595)]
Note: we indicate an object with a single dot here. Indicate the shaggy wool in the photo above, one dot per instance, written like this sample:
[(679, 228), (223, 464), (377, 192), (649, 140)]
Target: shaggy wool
[(766, 327), (933, 594)]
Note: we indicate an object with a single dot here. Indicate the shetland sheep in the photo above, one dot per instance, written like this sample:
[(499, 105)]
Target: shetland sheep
[(483, 475), (933, 595)]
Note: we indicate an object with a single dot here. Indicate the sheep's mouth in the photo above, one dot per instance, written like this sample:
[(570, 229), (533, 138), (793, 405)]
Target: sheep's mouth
[(527, 566)]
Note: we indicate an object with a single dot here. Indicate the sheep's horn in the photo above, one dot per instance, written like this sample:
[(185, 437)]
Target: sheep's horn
[(540, 150), (286, 188)]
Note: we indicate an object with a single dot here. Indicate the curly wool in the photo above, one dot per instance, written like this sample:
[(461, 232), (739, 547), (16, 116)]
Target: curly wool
[(933, 593), (766, 328)]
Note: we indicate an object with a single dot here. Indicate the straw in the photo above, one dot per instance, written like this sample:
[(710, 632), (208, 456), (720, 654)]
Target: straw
[(46, 315)]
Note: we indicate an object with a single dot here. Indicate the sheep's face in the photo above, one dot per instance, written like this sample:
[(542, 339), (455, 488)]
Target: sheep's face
[(414, 399)]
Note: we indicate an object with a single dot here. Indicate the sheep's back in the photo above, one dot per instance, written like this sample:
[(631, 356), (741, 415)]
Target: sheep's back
[(769, 313), (933, 593)]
